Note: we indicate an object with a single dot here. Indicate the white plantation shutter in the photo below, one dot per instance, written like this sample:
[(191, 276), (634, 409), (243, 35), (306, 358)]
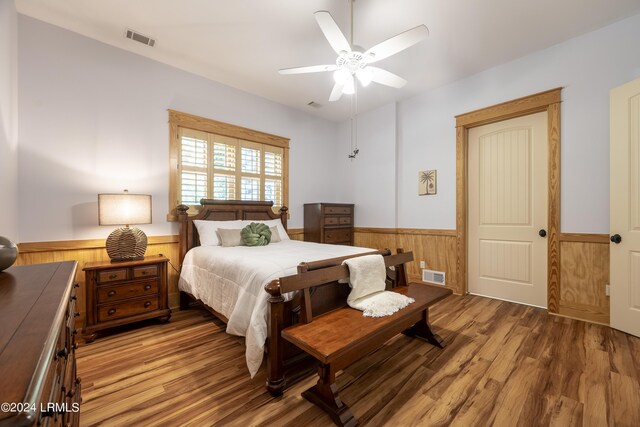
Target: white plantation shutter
[(250, 188), (193, 161), (273, 161), (216, 160), (224, 168), (273, 164), (273, 191), (194, 187), (250, 160), (224, 187), (224, 153)]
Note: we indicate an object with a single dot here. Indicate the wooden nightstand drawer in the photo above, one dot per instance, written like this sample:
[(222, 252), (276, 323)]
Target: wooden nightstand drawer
[(344, 210), (344, 220), (149, 271), (125, 309), (120, 292), (337, 235), (331, 220), (112, 275)]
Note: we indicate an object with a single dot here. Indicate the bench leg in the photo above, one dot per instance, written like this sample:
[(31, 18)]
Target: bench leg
[(325, 395), (423, 330)]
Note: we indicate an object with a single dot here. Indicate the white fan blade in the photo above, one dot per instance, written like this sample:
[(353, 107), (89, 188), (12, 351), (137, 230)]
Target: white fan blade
[(332, 32), (386, 78), (309, 69), (396, 44), (336, 93)]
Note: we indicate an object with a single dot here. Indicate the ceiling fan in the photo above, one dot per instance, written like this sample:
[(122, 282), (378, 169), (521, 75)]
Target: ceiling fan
[(352, 63)]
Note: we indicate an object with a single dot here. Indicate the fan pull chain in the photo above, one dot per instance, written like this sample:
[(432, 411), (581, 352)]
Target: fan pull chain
[(354, 123)]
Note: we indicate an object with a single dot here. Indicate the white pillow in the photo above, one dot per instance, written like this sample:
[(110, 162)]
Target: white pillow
[(207, 230), (278, 224), (275, 235)]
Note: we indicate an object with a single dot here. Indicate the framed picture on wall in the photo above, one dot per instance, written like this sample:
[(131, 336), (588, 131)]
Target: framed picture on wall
[(427, 182)]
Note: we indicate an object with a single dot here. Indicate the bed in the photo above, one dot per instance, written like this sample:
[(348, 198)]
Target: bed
[(230, 281)]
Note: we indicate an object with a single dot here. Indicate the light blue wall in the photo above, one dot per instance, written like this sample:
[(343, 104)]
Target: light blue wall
[(8, 120), (93, 118), (587, 67)]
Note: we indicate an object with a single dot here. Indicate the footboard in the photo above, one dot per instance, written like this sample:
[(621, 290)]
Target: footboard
[(329, 295)]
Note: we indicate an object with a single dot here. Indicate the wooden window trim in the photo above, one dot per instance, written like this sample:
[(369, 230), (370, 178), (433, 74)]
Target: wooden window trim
[(548, 101), (178, 119)]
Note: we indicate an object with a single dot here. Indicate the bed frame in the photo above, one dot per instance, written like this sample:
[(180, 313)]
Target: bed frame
[(284, 360)]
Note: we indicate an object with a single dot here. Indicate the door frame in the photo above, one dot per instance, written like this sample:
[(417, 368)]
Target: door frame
[(548, 101)]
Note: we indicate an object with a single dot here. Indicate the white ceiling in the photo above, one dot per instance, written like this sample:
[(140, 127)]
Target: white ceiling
[(242, 43)]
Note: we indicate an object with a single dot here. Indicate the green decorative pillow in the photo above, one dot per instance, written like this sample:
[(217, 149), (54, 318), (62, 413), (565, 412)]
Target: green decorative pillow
[(256, 234)]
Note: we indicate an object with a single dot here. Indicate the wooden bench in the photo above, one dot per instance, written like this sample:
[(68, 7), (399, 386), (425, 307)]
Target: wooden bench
[(340, 337)]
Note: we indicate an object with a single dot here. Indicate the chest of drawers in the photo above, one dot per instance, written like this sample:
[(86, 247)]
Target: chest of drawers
[(328, 223), (123, 292), (37, 346)]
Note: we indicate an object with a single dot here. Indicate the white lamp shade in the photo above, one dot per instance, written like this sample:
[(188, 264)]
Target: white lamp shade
[(124, 209)]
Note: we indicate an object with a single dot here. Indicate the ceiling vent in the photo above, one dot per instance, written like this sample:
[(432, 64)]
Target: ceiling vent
[(140, 38), (314, 104)]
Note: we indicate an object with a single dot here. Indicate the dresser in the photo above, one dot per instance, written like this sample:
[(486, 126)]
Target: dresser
[(118, 293), (37, 346), (328, 223)]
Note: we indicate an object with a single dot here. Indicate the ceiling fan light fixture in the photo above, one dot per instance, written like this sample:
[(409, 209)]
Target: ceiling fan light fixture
[(365, 76), (352, 63), (341, 75), (349, 86)]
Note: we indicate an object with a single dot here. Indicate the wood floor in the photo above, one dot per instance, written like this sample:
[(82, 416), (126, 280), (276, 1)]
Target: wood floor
[(504, 365)]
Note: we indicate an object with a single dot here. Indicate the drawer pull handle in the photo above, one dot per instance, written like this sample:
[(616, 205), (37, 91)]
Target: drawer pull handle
[(76, 314), (74, 298), (144, 272), (111, 293), (75, 346), (147, 287), (113, 276), (63, 353), (111, 311), (147, 304), (77, 285)]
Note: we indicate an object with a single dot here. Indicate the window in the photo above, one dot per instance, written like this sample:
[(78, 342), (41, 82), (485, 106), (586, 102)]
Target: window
[(214, 160)]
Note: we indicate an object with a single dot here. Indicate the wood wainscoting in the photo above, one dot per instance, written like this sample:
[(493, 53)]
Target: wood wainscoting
[(584, 275), (584, 263), (437, 248), (85, 251), (296, 233)]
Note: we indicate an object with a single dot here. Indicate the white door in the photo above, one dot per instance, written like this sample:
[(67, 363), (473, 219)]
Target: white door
[(508, 186), (625, 208)]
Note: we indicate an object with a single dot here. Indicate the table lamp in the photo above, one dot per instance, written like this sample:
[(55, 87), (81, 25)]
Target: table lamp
[(125, 243)]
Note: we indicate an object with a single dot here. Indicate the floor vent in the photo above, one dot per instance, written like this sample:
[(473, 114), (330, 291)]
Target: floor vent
[(436, 277), (136, 36)]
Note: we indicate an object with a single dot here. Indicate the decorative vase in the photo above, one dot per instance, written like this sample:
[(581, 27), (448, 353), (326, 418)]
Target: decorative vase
[(8, 253)]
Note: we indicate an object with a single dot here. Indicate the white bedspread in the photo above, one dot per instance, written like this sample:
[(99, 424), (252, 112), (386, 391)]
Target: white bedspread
[(231, 280)]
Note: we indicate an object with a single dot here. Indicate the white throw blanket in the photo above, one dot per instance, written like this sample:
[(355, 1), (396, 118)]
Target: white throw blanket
[(367, 276)]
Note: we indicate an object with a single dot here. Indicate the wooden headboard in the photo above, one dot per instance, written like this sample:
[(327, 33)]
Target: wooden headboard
[(222, 210)]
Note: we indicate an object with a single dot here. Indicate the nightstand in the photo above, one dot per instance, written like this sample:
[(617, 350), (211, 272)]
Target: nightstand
[(118, 293)]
